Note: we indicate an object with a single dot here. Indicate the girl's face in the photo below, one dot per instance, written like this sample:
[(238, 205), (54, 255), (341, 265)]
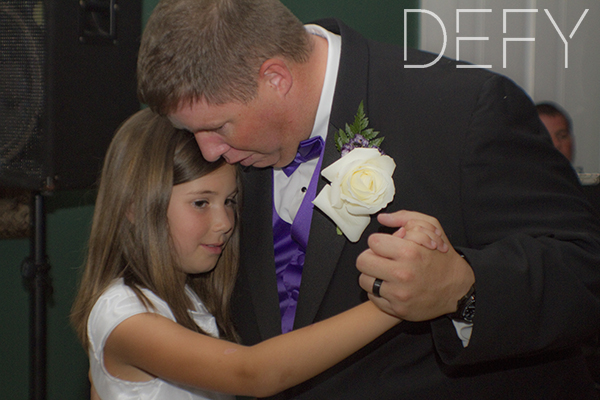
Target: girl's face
[(201, 217)]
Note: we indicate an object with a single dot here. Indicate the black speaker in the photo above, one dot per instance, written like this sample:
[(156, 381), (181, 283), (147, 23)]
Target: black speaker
[(67, 80)]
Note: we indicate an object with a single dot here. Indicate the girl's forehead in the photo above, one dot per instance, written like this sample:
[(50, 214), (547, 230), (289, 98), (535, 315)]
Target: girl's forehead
[(220, 181)]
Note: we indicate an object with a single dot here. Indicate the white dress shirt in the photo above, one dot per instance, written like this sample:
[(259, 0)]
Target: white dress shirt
[(288, 192)]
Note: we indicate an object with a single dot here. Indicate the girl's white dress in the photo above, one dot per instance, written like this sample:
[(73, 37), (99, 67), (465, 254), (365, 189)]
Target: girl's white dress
[(117, 304)]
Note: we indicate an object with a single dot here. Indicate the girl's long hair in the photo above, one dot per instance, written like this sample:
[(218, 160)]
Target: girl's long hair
[(130, 236)]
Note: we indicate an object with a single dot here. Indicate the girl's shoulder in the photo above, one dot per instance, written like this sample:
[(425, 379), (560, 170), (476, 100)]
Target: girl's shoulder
[(117, 303), (120, 298)]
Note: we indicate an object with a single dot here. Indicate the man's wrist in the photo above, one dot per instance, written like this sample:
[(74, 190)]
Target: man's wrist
[(465, 306)]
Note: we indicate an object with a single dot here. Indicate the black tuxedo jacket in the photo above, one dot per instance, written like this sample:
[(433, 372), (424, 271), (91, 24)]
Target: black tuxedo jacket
[(470, 151)]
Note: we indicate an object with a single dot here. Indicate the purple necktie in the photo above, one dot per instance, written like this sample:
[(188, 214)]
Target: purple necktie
[(289, 241), (307, 150)]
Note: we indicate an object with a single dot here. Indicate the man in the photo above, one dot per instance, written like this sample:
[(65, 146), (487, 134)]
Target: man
[(558, 124), (252, 83)]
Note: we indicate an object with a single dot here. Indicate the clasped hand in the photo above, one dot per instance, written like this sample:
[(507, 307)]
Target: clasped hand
[(423, 276)]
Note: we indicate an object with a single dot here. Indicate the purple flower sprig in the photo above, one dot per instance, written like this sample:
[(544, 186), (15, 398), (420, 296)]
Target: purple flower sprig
[(357, 135)]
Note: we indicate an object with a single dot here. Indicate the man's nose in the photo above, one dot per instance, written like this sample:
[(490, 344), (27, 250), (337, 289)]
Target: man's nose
[(211, 145)]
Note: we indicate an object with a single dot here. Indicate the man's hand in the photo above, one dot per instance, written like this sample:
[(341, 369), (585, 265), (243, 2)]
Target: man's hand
[(423, 276)]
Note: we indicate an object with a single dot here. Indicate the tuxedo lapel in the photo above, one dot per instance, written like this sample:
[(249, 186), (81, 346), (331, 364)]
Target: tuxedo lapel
[(257, 265), (322, 253)]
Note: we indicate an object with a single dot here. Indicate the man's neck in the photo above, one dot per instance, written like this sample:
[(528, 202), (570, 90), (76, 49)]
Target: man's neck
[(308, 82)]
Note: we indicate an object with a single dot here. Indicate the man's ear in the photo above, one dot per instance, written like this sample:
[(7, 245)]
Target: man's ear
[(275, 74)]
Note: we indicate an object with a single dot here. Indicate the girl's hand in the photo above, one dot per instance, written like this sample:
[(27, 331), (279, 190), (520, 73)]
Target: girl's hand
[(420, 229)]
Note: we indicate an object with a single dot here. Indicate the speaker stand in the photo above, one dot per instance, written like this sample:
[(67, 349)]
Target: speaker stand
[(35, 271)]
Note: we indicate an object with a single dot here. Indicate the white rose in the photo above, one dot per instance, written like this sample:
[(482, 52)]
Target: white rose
[(361, 185)]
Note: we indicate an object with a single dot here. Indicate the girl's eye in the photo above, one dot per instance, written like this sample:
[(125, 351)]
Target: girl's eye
[(200, 203), (231, 202)]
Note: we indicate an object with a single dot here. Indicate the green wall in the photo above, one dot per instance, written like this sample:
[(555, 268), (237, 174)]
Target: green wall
[(68, 219), (377, 19)]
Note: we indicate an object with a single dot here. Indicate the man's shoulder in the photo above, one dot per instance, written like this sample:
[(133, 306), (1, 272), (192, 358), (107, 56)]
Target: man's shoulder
[(392, 56)]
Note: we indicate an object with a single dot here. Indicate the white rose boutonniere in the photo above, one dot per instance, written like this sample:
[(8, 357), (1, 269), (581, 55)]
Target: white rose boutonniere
[(360, 182)]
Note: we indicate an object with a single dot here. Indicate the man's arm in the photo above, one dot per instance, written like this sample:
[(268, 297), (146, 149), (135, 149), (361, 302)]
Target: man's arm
[(533, 243)]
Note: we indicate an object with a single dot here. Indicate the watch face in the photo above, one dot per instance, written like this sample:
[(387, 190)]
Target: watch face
[(466, 308), (469, 311)]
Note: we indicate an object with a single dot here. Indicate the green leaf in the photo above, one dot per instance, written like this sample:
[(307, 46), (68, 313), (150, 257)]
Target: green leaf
[(358, 127), (370, 134), (360, 120), (343, 137), (340, 139), (349, 133), (376, 142)]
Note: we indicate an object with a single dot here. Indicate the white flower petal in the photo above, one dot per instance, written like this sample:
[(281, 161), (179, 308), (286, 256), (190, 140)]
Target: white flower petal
[(361, 185), (351, 225), (357, 155)]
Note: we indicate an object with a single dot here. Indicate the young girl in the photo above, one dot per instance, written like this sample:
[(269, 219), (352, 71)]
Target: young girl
[(152, 308)]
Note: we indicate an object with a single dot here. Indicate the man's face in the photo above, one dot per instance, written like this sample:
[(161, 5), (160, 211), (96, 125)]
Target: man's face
[(559, 131), (259, 133)]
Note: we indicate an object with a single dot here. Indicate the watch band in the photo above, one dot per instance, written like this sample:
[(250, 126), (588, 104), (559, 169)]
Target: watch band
[(465, 307)]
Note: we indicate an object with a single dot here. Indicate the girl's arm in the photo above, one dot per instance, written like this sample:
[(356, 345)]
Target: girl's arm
[(148, 345)]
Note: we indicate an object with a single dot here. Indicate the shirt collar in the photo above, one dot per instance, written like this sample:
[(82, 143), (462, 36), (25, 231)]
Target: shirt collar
[(333, 63)]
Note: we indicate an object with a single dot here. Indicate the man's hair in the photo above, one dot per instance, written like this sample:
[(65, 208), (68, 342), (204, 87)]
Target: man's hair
[(213, 50), (554, 110)]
